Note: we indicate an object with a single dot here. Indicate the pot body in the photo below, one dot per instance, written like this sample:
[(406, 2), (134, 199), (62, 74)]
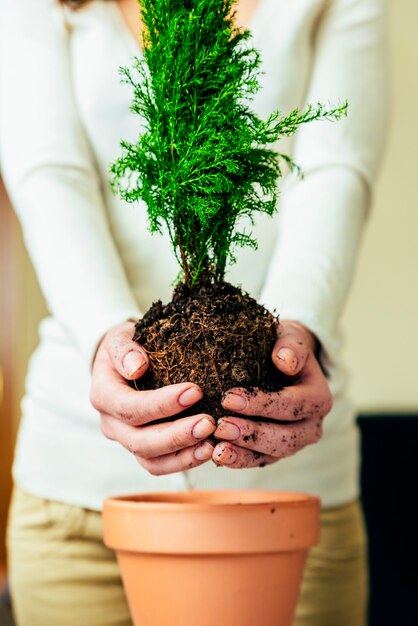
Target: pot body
[(212, 558)]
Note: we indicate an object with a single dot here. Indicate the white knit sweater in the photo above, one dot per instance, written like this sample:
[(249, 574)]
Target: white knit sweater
[(63, 113)]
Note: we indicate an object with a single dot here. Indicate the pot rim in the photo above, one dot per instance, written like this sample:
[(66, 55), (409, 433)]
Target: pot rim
[(276, 521), (194, 500)]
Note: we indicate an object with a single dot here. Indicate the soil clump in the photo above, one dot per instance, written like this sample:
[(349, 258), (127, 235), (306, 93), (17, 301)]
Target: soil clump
[(216, 336)]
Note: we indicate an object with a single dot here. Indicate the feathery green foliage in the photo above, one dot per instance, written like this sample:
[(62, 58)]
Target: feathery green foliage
[(204, 159)]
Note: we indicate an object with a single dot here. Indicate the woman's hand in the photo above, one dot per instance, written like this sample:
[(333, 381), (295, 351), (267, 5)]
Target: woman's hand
[(295, 413), (127, 415)]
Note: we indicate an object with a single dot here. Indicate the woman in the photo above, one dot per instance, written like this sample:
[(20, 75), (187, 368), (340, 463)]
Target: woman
[(63, 112)]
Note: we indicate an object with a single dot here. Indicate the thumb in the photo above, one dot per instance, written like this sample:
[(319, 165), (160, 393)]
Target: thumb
[(128, 357), (292, 348)]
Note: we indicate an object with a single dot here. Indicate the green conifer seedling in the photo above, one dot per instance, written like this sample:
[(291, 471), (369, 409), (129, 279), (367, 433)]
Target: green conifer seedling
[(204, 159), (205, 165)]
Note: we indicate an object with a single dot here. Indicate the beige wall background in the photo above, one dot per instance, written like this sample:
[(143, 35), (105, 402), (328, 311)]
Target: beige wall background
[(381, 320)]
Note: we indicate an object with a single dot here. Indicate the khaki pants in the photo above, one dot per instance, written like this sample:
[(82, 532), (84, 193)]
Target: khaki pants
[(61, 574)]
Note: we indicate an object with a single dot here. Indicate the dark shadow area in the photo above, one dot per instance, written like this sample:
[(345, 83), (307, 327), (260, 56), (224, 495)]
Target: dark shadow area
[(389, 478)]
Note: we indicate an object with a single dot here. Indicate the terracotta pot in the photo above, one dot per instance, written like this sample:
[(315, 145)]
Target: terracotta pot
[(221, 558)]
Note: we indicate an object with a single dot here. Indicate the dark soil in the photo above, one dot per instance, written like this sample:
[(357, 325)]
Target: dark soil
[(217, 337)]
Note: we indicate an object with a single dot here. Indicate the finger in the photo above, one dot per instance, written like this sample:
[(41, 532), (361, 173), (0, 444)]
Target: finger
[(178, 462), (228, 455), (271, 438), (127, 356), (309, 399), (153, 441), (112, 395), (292, 347)]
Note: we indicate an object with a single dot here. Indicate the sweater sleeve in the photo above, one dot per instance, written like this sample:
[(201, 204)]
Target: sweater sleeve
[(321, 216), (51, 178)]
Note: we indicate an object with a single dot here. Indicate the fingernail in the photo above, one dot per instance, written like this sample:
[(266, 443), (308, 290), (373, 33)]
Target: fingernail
[(190, 396), (234, 402), (228, 456), (204, 428), (227, 430), (288, 355), (133, 362), (203, 452)]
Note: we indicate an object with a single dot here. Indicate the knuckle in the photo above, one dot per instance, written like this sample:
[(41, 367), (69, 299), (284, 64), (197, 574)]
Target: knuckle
[(268, 405), (292, 440), (294, 443), (115, 349), (133, 445), (319, 431), (329, 403), (251, 459), (151, 468), (124, 414), (105, 428), (127, 413), (299, 346), (315, 433), (111, 342), (326, 404), (283, 439), (118, 341), (155, 470), (188, 461), (96, 398), (146, 448), (178, 439), (251, 430)]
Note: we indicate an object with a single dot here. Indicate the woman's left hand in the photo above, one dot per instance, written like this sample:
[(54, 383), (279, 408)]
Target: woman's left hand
[(295, 414)]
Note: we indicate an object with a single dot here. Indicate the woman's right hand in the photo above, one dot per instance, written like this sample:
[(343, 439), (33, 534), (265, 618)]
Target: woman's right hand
[(127, 415)]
